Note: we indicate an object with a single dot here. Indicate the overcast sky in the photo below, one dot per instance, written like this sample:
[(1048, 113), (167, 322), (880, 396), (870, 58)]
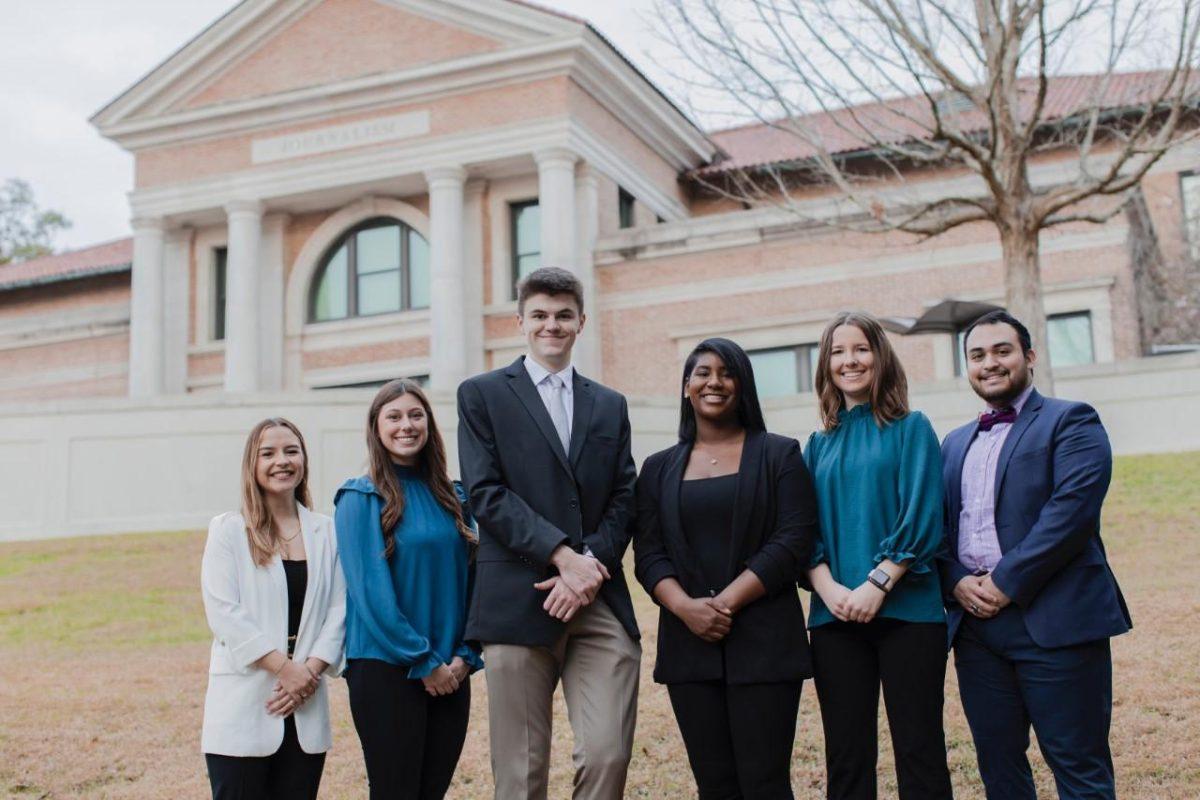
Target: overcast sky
[(62, 60)]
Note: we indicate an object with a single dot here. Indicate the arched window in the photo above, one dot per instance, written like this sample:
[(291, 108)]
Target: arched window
[(376, 267)]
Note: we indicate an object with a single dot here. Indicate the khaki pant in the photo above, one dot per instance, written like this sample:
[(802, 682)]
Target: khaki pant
[(599, 665)]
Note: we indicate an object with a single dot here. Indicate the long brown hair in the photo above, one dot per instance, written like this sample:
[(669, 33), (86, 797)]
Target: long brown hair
[(889, 385), (431, 465), (261, 529)]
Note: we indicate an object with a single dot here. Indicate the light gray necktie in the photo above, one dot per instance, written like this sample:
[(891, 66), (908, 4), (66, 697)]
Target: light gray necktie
[(558, 411)]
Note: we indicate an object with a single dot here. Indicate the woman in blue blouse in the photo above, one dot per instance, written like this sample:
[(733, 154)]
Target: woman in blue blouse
[(877, 615), (406, 549)]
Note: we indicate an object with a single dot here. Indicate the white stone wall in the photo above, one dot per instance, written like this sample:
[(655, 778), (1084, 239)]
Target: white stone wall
[(116, 465)]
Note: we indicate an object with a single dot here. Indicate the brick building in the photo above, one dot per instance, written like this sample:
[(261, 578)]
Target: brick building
[(332, 193)]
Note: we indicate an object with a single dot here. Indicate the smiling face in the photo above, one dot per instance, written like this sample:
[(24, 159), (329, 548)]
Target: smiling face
[(403, 429), (279, 465), (997, 368), (711, 389), (852, 364), (550, 324)]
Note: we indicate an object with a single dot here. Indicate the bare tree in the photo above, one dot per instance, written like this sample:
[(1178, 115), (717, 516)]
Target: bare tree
[(869, 93)]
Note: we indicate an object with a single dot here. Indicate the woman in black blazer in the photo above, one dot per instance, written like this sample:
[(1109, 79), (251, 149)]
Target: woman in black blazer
[(726, 524)]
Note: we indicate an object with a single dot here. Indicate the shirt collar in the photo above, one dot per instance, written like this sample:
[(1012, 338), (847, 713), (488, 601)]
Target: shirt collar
[(1019, 403), (538, 373)]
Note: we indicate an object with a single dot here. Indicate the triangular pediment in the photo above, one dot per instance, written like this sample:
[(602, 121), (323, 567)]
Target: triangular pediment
[(266, 48)]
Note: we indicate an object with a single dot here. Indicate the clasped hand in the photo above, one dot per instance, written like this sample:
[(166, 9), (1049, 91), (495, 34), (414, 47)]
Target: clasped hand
[(980, 597), (706, 617), (295, 684), (576, 585), (857, 605), (446, 678)]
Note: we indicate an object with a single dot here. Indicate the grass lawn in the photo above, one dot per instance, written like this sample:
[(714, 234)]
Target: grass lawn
[(105, 654)]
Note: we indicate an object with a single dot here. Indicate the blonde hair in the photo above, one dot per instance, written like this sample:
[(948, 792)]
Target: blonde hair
[(889, 386), (261, 529), (431, 466)]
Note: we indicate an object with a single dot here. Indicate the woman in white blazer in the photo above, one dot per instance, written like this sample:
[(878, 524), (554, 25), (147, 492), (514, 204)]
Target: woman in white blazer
[(276, 602)]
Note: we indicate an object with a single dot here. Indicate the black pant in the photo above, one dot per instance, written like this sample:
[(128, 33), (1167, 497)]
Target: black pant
[(411, 740), (738, 738), (288, 774), (849, 662)]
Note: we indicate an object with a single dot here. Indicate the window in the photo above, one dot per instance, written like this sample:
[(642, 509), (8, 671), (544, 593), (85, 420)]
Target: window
[(784, 371), (220, 261), (526, 238), (377, 267), (1070, 339), (624, 208), (1189, 188)]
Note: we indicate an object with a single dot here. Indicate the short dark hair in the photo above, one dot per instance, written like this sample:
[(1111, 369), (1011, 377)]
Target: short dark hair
[(738, 365), (1000, 316), (551, 281)]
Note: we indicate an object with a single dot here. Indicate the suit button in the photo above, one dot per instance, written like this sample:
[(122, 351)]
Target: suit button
[(573, 504)]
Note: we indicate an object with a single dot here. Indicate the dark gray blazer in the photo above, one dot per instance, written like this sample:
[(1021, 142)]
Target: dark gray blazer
[(529, 497), (774, 528)]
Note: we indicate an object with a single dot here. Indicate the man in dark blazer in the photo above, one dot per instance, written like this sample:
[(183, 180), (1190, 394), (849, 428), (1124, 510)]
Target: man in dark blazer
[(545, 457), (1032, 602)]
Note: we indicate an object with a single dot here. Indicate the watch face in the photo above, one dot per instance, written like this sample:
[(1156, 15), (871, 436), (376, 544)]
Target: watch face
[(879, 577)]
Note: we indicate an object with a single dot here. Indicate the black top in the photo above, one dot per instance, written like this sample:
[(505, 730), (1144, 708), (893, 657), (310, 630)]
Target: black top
[(706, 513), (297, 584)]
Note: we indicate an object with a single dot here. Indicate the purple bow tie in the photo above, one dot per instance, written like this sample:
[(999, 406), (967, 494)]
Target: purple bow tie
[(999, 416)]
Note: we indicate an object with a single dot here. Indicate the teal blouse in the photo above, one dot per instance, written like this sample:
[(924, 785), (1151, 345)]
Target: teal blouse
[(879, 496)]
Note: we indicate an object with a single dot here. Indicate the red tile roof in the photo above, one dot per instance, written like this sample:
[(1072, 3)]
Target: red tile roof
[(114, 256), (903, 119)]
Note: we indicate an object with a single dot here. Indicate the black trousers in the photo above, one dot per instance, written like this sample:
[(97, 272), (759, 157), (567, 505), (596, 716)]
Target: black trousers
[(288, 774), (739, 738), (850, 661), (411, 740)]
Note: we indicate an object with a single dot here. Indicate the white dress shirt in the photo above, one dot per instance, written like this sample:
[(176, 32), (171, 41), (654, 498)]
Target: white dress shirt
[(538, 374)]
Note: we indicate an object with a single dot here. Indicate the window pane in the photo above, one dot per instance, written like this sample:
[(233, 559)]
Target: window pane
[(331, 301), (625, 208), (220, 258), (1190, 189), (527, 224), (378, 293), (527, 264), (1070, 340), (418, 271), (809, 356), (775, 372), (378, 249)]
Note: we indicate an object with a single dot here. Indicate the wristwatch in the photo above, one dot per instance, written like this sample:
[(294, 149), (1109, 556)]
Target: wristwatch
[(880, 580)]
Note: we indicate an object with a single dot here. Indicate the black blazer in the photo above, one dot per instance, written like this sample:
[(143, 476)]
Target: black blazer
[(775, 525), (529, 497)]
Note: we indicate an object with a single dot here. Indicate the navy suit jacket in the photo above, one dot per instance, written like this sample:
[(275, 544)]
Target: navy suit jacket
[(1051, 479)]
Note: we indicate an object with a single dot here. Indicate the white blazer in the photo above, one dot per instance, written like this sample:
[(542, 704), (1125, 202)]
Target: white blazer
[(247, 609)]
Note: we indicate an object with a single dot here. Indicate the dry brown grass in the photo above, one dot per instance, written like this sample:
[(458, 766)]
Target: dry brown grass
[(104, 649)]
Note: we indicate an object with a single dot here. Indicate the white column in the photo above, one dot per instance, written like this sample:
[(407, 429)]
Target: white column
[(556, 200), (473, 274), (176, 309), (242, 292), (270, 302), (447, 289), (146, 310), (587, 355)]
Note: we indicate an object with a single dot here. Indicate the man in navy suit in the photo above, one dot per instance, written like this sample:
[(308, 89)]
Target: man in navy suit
[(1032, 602)]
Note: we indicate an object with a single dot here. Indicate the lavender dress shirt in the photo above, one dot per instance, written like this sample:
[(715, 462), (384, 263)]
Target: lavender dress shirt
[(978, 543)]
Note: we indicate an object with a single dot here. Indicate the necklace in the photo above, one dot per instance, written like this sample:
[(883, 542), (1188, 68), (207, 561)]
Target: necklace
[(292, 538)]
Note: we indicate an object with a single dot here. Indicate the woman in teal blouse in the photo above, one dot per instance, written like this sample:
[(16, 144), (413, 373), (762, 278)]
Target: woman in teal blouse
[(877, 615), (406, 549)]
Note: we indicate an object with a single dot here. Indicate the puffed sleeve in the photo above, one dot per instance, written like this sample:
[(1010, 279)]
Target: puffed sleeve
[(917, 532), (812, 453), (231, 622), (369, 584)]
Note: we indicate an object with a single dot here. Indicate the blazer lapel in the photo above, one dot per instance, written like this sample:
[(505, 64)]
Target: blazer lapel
[(751, 477), (672, 522), (521, 384), (585, 397), (308, 532), (1028, 413)]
